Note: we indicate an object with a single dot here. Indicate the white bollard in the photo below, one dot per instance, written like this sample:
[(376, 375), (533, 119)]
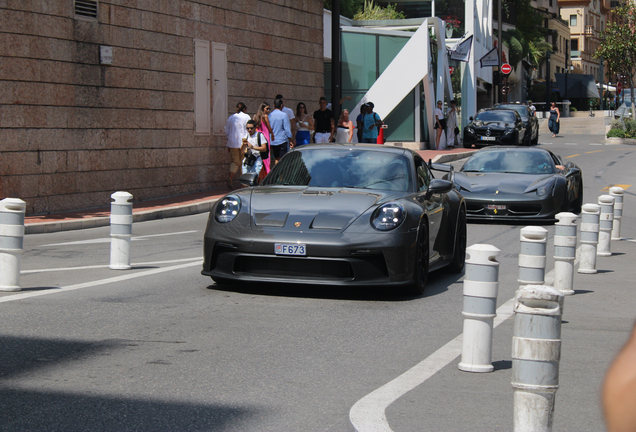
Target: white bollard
[(481, 284), (606, 222), (589, 238), (532, 256), (11, 242), (564, 252), (536, 351), (617, 193), (120, 230)]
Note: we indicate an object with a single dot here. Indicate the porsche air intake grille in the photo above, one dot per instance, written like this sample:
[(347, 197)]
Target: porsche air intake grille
[(293, 268)]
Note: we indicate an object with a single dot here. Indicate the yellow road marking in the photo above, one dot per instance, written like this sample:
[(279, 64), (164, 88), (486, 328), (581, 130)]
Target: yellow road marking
[(624, 186), (596, 151), (568, 157)]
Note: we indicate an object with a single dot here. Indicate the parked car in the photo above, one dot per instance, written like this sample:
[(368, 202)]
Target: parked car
[(494, 126), (349, 215), (531, 136), (515, 184)]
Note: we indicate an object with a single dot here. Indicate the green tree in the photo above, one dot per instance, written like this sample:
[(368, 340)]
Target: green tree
[(537, 50), (348, 8), (618, 47)]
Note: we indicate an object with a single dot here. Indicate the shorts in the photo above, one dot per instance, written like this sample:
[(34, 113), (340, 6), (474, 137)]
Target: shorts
[(256, 168), (236, 159), (322, 137), (278, 151), (303, 137), (370, 140)]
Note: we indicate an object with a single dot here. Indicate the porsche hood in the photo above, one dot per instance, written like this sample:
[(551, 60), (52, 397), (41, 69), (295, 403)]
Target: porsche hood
[(313, 208)]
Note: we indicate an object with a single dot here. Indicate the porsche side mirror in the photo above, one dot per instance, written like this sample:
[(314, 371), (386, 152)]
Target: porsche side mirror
[(439, 186), (249, 179)]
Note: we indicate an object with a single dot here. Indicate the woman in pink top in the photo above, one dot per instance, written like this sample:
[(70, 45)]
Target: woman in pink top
[(262, 125)]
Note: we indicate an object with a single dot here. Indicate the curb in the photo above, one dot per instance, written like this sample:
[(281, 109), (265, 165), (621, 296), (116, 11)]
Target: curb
[(627, 141), (443, 158)]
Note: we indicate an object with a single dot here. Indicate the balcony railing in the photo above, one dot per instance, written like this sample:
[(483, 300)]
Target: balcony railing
[(575, 54)]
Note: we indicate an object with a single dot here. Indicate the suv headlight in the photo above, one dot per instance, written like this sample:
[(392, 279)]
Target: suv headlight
[(227, 209), (388, 217), (471, 130)]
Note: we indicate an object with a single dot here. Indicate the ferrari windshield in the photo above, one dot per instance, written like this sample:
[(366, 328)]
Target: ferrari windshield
[(520, 161), (342, 167), (496, 116)]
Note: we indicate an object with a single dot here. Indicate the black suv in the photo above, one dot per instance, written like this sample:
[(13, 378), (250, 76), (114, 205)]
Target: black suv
[(531, 123)]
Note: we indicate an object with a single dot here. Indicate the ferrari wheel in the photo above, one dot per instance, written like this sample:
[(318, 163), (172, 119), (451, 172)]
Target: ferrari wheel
[(459, 253), (420, 273)]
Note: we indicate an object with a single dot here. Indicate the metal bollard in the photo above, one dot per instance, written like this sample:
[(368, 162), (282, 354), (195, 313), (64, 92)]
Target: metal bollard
[(532, 257), (617, 193), (536, 351), (120, 230), (564, 252), (589, 238), (11, 242), (481, 283), (605, 225)]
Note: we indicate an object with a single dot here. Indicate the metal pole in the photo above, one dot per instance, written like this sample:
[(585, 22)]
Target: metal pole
[(601, 85), (335, 60), (500, 49), (547, 82)]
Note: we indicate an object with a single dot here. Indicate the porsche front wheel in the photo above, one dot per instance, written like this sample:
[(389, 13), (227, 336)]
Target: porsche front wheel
[(420, 272)]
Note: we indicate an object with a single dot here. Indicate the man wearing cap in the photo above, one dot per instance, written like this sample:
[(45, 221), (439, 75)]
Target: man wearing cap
[(372, 122)]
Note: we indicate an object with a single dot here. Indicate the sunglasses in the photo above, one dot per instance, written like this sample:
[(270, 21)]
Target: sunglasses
[(250, 128)]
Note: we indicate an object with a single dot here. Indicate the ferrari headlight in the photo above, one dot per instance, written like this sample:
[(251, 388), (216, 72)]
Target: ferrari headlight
[(546, 188), (388, 217), (227, 209)]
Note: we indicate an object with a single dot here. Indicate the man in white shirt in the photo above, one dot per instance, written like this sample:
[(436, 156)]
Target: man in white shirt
[(291, 115), (235, 131)]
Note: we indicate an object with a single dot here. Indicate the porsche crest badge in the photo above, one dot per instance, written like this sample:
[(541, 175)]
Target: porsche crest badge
[(297, 224)]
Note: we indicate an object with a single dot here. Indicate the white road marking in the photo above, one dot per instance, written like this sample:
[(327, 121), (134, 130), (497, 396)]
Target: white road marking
[(91, 284), (596, 144), (368, 414), (571, 143), (545, 144), (104, 266), (107, 240)]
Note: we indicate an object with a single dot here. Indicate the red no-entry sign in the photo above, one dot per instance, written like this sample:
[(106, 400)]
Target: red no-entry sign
[(506, 69), (618, 88)]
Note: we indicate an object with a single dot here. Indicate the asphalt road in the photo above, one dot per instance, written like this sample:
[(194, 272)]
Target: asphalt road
[(161, 348)]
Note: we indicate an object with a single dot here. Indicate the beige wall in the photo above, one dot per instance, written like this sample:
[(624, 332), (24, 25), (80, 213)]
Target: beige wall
[(73, 131)]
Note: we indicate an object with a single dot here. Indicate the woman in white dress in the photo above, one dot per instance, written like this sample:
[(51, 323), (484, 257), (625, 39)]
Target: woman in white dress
[(451, 124), (344, 131)]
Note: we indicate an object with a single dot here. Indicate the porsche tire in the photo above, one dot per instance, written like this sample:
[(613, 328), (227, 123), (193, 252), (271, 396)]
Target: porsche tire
[(459, 251), (420, 272)]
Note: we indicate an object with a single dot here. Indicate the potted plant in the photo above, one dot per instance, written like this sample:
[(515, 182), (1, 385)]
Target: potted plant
[(452, 23)]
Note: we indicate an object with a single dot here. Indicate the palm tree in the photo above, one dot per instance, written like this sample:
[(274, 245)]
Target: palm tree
[(537, 50)]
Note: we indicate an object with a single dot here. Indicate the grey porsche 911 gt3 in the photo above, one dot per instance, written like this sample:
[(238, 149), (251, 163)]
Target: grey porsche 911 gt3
[(350, 215)]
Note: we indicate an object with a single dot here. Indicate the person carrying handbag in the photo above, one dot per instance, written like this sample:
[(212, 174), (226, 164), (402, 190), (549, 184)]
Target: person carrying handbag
[(254, 148)]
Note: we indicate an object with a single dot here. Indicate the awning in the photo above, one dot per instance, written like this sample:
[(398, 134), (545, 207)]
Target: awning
[(579, 86), (606, 87)]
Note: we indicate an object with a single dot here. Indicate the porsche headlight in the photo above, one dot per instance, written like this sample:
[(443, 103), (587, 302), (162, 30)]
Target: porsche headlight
[(388, 217), (545, 189), (227, 209)]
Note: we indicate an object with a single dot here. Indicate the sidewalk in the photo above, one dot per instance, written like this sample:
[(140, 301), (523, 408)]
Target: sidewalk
[(180, 205)]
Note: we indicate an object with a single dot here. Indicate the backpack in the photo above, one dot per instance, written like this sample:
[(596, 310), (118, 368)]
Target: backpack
[(264, 154)]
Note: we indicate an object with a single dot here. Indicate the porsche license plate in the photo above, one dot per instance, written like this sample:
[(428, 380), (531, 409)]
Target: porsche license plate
[(290, 249), (488, 138), (496, 207)]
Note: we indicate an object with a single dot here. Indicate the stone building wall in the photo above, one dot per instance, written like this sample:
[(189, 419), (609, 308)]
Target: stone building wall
[(73, 131)]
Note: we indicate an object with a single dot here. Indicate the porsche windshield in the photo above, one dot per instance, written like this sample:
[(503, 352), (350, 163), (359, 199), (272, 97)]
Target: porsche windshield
[(342, 167), (510, 161), (496, 116)]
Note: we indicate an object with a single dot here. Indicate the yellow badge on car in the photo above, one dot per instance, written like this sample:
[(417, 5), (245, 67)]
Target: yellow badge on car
[(296, 224), (495, 211)]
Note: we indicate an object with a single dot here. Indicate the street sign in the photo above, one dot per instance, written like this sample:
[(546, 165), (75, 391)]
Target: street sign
[(619, 88), (451, 69), (506, 68)]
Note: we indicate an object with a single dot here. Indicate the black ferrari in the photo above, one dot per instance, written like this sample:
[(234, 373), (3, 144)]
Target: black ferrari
[(494, 126), (350, 215), (515, 184)]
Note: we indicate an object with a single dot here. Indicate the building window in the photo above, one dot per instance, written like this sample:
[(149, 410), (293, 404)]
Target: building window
[(86, 9), (572, 20), (574, 43)]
